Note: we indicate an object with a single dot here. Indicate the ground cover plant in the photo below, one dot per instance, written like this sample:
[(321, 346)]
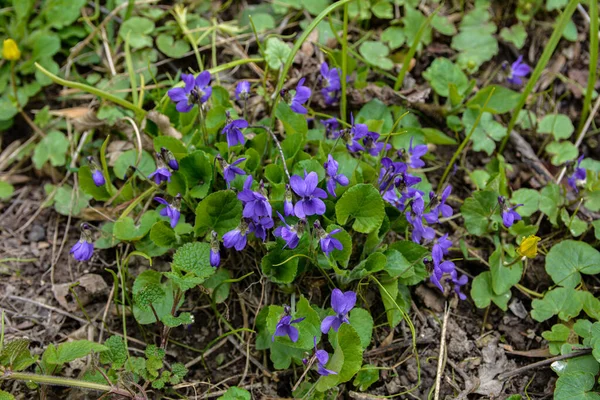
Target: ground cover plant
[(299, 199)]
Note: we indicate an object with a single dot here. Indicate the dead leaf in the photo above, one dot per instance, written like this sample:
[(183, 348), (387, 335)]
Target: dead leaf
[(164, 124), (87, 288)]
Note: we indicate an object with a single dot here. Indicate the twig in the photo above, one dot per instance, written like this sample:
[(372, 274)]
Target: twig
[(276, 144), (543, 363), (252, 359), (442, 355), (56, 310)]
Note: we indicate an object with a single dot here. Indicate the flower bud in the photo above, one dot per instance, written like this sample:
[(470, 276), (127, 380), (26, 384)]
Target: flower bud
[(10, 50)]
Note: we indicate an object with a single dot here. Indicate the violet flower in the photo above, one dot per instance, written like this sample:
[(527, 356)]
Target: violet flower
[(171, 210), (518, 70), (237, 237), (230, 171), (233, 130), (440, 248), (342, 303), (98, 178), (215, 255), (322, 359), (256, 204), (310, 202), (372, 146), (331, 128), (259, 227), (415, 154), (284, 326), (509, 215), (331, 84), (291, 234), (458, 283), (333, 178), (300, 97), (162, 173), (288, 207), (356, 132), (169, 158), (420, 231), (578, 177), (242, 90), (326, 240), (84, 248), (438, 206), (195, 90)]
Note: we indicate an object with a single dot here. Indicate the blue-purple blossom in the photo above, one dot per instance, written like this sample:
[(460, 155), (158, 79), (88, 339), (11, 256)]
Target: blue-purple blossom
[(284, 326), (414, 216), (161, 174), (98, 178), (518, 70), (242, 90), (578, 176), (322, 359), (509, 215), (215, 254), (415, 154), (458, 283), (440, 248), (256, 204), (437, 206), (300, 97), (259, 226), (352, 136), (372, 146), (342, 303), (331, 127), (169, 158), (310, 202), (171, 210), (195, 90), (84, 248), (333, 178), (331, 83), (388, 173), (288, 206), (326, 240), (233, 130), (290, 233), (230, 171), (237, 237)]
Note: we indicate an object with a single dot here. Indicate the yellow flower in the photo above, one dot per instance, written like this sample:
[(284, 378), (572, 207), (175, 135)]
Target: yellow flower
[(10, 50), (528, 247)]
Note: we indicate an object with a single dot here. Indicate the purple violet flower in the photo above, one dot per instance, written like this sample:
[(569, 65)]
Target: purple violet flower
[(326, 240), (284, 326), (237, 237), (372, 146), (99, 180), (288, 207), (233, 130), (171, 210), (322, 360), (215, 254), (300, 97), (342, 303), (242, 90), (518, 70), (578, 177), (259, 227), (195, 90), (310, 202), (509, 215), (291, 234), (230, 171), (333, 178), (438, 206), (84, 248), (331, 128), (458, 283), (356, 132), (440, 248), (331, 83), (256, 204), (415, 154), (169, 158)]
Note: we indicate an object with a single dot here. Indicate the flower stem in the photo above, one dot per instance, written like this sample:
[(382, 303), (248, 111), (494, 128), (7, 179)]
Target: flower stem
[(266, 128)]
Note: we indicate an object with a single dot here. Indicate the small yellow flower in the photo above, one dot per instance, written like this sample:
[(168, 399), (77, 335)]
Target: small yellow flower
[(528, 247), (10, 50)]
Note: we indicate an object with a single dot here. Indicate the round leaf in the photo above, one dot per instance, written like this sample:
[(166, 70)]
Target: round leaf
[(363, 203), (567, 260)]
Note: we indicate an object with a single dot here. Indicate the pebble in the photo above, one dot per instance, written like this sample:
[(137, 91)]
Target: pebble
[(37, 233)]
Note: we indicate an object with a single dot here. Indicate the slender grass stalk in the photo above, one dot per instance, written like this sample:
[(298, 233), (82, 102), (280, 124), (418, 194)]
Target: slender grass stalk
[(131, 71), (343, 100), (57, 381), (592, 75), (296, 48), (137, 201), (465, 141), (413, 50), (541, 65)]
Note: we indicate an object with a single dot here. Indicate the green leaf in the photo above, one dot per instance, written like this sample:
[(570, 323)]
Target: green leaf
[(564, 302), (220, 212), (551, 201), (397, 265), (162, 306), (128, 158), (279, 265), (235, 393), (383, 9), (559, 125), (414, 253), (362, 322), (137, 31), (552, 5), (163, 235), (346, 360), (570, 32), (503, 277), (217, 286), (516, 35), (375, 262), (263, 22), (68, 203), (368, 375), (486, 133), (276, 53), (88, 186), (413, 20), (194, 257), (116, 353), (502, 100), (51, 148), (567, 260), (394, 295), (309, 328), (575, 225), (376, 110), (443, 72), (6, 190), (70, 351), (171, 47), (6, 396), (173, 322), (295, 126), (16, 355), (435, 136), (126, 229), (443, 25), (482, 292), (557, 336), (61, 13), (562, 152), (198, 172), (363, 203), (376, 54), (475, 41), (576, 386), (393, 36), (477, 210), (529, 198), (341, 256)]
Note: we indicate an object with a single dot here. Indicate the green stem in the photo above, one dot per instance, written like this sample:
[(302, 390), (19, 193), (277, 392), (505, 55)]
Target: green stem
[(587, 102), (464, 142), (131, 71), (343, 101), (90, 89), (540, 67), (528, 291), (137, 201), (60, 381)]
